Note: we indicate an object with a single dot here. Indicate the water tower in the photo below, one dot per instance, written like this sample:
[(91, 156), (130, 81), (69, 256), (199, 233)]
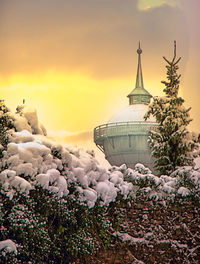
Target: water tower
[(124, 138)]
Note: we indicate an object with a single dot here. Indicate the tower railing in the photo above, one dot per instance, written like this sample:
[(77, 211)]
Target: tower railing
[(122, 128)]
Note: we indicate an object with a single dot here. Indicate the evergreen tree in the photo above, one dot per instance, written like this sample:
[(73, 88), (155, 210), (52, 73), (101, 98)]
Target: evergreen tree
[(170, 144), (6, 123)]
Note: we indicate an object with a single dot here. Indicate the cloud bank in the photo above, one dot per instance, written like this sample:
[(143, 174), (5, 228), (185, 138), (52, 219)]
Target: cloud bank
[(92, 36)]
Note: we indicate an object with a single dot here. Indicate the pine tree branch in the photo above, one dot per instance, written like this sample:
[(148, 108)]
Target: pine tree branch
[(177, 61), (179, 76), (172, 63), (166, 60)]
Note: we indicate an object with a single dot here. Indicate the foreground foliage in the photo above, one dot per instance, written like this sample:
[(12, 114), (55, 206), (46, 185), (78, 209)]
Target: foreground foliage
[(50, 230), (58, 205)]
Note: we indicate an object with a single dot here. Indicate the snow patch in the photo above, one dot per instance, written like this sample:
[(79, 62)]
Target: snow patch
[(183, 191), (8, 245)]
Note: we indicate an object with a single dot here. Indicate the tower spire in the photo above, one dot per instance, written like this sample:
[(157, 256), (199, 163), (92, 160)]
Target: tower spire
[(139, 78), (139, 95)]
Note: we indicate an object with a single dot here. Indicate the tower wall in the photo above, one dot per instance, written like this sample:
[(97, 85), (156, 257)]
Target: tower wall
[(125, 143)]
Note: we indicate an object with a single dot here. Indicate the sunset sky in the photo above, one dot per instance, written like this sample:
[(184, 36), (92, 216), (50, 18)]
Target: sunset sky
[(75, 61)]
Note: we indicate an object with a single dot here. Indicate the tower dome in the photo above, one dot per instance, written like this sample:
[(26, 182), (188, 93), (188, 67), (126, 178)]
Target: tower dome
[(124, 138), (131, 113)]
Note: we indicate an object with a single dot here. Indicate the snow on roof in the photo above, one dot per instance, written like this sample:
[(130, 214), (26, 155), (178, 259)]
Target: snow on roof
[(131, 113)]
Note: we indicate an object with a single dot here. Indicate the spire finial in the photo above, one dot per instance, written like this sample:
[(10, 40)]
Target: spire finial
[(139, 79), (139, 51)]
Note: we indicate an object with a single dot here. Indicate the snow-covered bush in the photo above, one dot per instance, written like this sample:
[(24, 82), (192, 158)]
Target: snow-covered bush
[(54, 198), (26, 119), (184, 182), (50, 188), (56, 190), (8, 252), (32, 161), (6, 124)]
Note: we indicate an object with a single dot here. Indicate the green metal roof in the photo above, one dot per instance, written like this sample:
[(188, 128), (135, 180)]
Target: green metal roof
[(140, 91)]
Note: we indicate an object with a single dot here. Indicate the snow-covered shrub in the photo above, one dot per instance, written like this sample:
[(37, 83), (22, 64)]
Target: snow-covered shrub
[(54, 198), (56, 190), (81, 243), (21, 223), (6, 124), (184, 182), (8, 252), (188, 181), (26, 119)]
